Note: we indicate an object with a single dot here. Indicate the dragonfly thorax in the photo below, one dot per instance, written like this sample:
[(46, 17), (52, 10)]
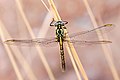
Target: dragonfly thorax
[(59, 30), (59, 33)]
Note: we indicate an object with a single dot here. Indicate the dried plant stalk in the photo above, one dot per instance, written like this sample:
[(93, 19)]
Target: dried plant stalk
[(71, 48), (20, 58), (45, 6), (12, 60), (24, 63), (106, 48), (73, 62), (41, 55), (83, 73)]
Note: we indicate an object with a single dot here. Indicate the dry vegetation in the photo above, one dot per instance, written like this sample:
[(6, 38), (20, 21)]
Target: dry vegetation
[(25, 19)]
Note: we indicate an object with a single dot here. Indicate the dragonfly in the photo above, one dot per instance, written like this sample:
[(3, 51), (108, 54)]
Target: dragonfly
[(61, 38)]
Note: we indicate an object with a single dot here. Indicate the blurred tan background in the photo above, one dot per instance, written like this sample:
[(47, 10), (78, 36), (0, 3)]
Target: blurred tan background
[(73, 11)]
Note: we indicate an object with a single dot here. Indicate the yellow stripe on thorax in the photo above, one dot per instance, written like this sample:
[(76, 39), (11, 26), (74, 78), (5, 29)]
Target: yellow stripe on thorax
[(61, 43)]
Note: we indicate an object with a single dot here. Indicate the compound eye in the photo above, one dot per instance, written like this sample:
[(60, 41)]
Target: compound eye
[(62, 24), (56, 24)]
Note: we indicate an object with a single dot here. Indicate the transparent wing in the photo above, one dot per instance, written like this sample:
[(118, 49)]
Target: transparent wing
[(31, 42), (87, 43), (91, 34)]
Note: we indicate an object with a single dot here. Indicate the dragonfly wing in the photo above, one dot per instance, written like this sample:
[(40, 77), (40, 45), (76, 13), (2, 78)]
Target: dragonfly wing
[(47, 42), (91, 34), (32, 42), (19, 42), (86, 43)]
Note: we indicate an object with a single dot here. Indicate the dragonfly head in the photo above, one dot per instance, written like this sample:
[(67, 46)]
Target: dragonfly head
[(60, 23)]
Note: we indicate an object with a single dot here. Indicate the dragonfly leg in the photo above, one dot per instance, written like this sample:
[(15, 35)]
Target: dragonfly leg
[(51, 24), (65, 22)]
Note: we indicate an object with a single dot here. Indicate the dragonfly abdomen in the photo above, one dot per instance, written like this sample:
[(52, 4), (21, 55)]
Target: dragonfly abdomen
[(62, 57)]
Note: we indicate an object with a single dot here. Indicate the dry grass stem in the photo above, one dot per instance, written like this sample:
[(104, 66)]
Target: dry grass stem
[(54, 10), (45, 6), (45, 26), (24, 63), (71, 48), (74, 53), (106, 48), (20, 58), (41, 55), (12, 60), (73, 62)]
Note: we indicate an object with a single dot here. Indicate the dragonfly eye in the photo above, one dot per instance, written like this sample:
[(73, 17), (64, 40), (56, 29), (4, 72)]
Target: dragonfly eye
[(62, 24), (59, 23)]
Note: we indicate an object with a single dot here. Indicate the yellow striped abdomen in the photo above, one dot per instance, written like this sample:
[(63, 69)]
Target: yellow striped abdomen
[(62, 57)]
